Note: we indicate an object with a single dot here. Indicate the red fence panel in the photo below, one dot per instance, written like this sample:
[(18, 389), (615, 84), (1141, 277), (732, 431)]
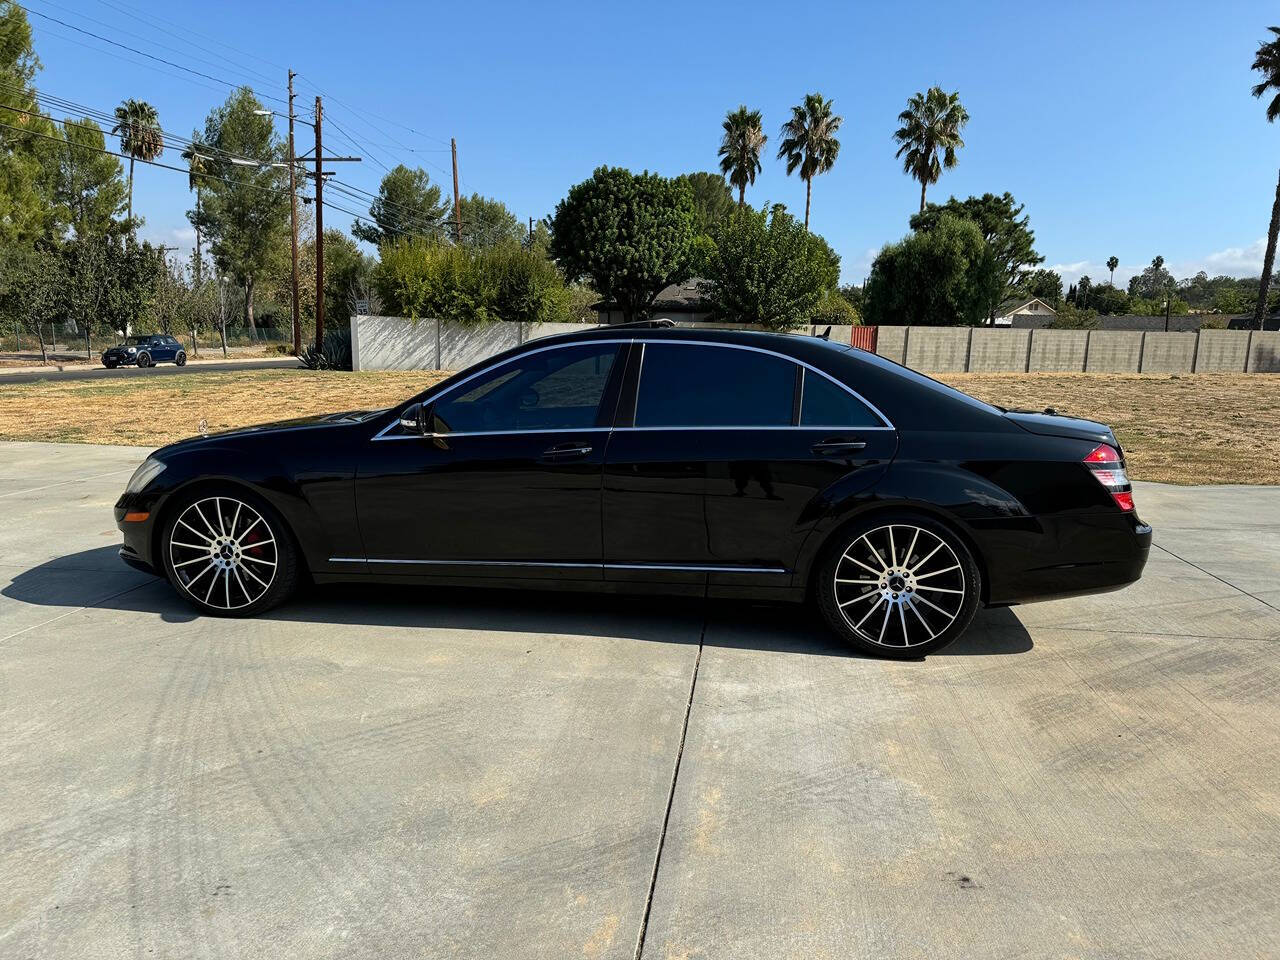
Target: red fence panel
[(864, 338)]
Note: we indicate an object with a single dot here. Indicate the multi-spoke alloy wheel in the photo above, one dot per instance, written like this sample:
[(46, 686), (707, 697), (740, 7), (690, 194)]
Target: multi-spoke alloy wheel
[(899, 587), (227, 557)]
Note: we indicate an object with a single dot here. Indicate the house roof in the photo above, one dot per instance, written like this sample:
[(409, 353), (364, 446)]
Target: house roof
[(1014, 304), (684, 297)]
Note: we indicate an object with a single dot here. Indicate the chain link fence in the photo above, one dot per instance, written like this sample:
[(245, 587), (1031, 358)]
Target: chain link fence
[(66, 342)]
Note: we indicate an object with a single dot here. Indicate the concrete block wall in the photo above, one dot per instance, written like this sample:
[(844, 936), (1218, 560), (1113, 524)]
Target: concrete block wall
[(392, 343), (1113, 351), (891, 342), (1168, 352), (1222, 351), (1058, 351), (1264, 351), (940, 349), (998, 351)]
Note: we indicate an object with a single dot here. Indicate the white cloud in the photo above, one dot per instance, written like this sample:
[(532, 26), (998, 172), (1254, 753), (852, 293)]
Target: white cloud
[(1242, 261)]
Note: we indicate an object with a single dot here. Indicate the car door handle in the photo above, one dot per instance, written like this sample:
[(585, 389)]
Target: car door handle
[(567, 451), (834, 445)]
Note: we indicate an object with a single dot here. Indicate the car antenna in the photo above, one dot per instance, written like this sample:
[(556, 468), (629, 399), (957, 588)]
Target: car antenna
[(825, 334), (635, 324)]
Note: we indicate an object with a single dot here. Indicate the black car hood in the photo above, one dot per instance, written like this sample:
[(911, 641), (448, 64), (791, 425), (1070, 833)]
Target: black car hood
[(280, 426), (1056, 425)]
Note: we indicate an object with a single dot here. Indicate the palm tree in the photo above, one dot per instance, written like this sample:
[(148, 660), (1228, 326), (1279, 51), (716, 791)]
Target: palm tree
[(138, 127), (1112, 263), (931, 123), (809, 142), (1267, 62), (195, 177), (739, 153)]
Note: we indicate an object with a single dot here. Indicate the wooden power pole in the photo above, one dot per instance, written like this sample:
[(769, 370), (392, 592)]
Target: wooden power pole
[(293, 227), (319, 233), (457, 207)]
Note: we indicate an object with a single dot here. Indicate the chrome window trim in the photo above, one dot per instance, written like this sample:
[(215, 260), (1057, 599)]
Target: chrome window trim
[(432, 398), (687, 567), (887, 423)]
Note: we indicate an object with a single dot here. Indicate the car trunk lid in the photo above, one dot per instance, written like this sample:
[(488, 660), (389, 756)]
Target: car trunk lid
[(1051, 424)]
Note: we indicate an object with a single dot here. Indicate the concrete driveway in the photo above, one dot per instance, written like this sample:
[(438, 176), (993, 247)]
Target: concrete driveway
[(388, 773)]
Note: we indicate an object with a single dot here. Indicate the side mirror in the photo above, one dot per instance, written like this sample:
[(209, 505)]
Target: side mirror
[(414, 418)]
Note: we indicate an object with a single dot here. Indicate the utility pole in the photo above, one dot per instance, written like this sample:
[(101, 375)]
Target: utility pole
[(531, 232), (319, 232), (457, 207), (293, 226)]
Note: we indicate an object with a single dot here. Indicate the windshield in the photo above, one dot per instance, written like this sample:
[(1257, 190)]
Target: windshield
[(135, 341)]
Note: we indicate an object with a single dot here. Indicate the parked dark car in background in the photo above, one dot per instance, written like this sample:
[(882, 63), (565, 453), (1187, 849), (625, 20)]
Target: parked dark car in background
[(145, 351), (640, 458)]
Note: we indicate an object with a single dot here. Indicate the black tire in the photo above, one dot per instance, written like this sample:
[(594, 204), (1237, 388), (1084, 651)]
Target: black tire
[(902, 609), (110, 365), (252, 560), (144, 359), (181, 359)]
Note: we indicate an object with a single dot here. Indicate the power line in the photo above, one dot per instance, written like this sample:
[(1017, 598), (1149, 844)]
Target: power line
[(135, 50)]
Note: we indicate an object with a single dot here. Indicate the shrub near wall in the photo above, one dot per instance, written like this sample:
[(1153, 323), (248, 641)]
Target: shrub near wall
[(424, 278)]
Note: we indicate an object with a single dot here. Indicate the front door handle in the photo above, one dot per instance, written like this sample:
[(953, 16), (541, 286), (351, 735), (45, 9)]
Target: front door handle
[(572, 450), (835, 445)]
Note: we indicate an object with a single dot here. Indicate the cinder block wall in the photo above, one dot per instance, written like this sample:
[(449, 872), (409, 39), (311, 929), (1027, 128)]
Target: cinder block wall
[(1264, 351), (1058, 351), (999, 351), (1168, 352), (1114, 351), (941, 349), (891, 342), (1222, 351)]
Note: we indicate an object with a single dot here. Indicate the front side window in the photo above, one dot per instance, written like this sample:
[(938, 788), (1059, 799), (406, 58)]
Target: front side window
[(550, 390), (692, 385)]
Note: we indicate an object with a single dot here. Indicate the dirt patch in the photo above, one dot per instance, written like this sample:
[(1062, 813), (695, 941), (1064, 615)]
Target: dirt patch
[(1206, 428)]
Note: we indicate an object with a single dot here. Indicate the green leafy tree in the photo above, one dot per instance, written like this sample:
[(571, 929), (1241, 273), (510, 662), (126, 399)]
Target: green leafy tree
[(86, 260), (1044, 284), (1003, 226), (89, 187), (32, 288), (712, 201), (408, 205), (1153, 283), (1108, 299), (138, 127), (132, 271), (768, 269), (488, 223), (834, 309), (931, 126), (245, 209), (945, 276), (630, 235), (1112, 263), (1267, 63), (196, 176), (26, 207), (809, 142), (740, 147)]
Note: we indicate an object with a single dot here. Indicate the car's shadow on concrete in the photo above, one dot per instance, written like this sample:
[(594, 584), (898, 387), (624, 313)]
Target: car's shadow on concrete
[(784, 628)]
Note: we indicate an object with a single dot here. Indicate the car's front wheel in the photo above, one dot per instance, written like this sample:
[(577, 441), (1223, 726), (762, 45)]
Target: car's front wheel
[(228, 553), (109, 364), (900, 586)]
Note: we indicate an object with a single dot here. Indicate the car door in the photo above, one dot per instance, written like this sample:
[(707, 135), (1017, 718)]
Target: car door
[(506, 483), (160, 350), (718, 460)]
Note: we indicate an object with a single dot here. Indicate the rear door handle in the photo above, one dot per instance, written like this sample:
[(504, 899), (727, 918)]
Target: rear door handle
[(835, 445), (567, 451)]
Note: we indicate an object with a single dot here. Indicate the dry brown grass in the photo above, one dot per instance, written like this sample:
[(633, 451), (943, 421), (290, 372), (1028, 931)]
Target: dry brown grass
[(1207, 428)]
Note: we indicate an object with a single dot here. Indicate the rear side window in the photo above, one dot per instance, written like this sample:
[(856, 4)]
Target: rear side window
[(824, 404), (687, 385)]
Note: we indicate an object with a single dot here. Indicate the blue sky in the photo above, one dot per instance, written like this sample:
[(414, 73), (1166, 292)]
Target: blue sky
[(1125, 128)]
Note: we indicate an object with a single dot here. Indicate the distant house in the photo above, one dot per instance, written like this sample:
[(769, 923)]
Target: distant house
[(1018, 307), (681, 302)]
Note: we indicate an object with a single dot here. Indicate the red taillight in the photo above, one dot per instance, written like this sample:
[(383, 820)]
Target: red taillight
[(1107, 467)]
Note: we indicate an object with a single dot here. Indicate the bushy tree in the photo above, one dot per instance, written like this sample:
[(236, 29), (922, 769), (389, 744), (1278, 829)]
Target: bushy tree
[(88, 186), (712, 201), (32, 288), (630, 235), (244, 210), (1105, 298), (1004, 227), (768, 269), (408, 205), (944, 276), (26, 209), (1153, 283), (1044, 284), (487, 222)]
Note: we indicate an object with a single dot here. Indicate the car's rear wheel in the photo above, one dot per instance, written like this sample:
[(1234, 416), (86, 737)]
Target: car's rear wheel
[(144, 359), (181, 359), (900, 586), (228, 553)]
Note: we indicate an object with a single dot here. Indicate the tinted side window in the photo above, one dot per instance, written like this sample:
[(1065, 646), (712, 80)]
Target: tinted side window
[(823, 404), (551, 390), (699, 386)]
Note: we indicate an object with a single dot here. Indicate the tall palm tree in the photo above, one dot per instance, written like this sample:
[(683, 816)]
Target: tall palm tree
[(138, 127), (739, 153), (1112, 263), (809, 142), (1267, 62), (195, 180), (931, 124)]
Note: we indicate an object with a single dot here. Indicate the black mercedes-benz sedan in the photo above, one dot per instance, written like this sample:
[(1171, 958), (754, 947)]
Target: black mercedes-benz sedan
[(644, 458)]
